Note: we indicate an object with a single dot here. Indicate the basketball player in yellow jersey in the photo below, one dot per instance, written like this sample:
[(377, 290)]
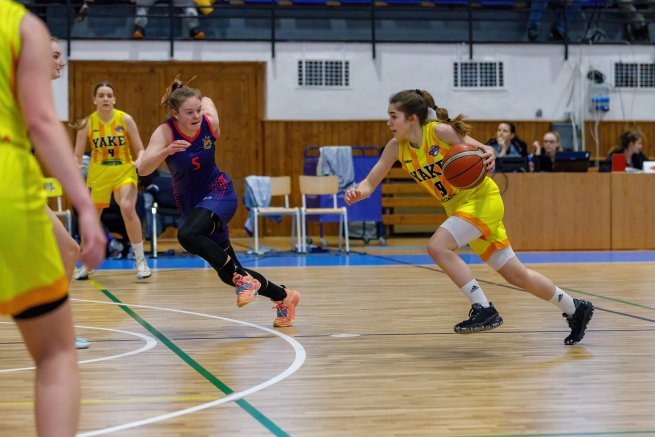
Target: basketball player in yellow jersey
[(68, 247), (33, 285), (110, 134), (422, 134)]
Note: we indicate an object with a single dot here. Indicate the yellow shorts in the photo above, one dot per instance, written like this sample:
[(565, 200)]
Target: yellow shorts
[(31, 270), (103, 180), (483, 208)]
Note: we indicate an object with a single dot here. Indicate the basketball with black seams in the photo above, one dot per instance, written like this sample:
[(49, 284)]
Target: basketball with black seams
[(464, 167)]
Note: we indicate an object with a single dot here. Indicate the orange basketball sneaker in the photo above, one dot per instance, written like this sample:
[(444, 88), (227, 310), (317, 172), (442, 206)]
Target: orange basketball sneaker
[(246, 288), (286, 309)]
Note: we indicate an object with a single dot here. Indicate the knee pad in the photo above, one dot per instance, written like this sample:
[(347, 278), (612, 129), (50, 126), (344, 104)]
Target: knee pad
[(500, 257)]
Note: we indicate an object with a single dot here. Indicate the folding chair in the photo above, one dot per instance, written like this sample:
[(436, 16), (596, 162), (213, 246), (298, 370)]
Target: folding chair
[(280, 186), (53, 189), (322, 185)]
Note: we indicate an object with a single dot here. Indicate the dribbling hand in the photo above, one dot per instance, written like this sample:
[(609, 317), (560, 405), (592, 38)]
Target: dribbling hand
[(177, 146), (488, 157), (352, 195)]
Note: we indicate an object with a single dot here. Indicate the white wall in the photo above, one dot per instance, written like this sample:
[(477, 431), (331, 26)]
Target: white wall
[(536, 77)]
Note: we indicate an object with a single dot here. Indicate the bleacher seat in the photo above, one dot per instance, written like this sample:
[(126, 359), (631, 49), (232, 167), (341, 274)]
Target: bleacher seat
[(403, 2), (497, 3), (450, 2)]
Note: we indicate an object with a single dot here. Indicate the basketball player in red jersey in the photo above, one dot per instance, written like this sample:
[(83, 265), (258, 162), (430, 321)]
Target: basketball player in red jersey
[(205, 196), (422, 134)]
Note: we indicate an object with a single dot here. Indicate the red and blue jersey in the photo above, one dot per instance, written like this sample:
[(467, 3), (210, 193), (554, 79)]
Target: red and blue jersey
[(197, 180)]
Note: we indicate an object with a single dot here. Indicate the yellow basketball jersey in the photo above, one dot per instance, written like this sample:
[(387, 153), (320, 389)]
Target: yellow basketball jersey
[(425, 163), (110, 142), (13, 129)]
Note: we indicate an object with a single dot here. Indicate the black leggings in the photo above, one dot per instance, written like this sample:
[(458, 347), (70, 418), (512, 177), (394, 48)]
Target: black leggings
[(194, 236)]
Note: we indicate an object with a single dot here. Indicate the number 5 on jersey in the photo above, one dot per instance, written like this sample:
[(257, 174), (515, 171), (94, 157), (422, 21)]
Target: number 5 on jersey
[(196, 164)]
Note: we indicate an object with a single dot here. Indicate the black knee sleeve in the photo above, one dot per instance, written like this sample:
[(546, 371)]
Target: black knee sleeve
[(194, 237)]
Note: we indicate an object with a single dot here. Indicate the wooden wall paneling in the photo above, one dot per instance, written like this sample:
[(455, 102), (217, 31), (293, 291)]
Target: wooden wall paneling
[(543, 212), (138, 88), (236, 88), (609, 131), (632, 211)]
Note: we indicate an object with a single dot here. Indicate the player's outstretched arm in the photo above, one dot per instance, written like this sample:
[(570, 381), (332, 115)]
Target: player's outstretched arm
[(366, 187)]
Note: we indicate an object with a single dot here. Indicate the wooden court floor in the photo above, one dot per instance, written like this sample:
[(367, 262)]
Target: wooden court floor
[(372, 353)]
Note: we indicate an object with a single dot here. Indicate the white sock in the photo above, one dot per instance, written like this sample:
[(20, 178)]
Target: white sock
[(138, 250), (563, 301), (475, 294)]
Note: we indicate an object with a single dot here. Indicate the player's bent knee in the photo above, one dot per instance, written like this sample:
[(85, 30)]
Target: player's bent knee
[(186, 236), (500, 258), (437, 252)]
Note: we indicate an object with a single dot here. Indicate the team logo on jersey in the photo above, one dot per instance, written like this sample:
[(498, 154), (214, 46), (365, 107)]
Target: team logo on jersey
[(207, 142), (119, 129), (434, 150)]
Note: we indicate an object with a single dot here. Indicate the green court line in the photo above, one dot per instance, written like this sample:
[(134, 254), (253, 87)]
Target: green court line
[(247, 407)]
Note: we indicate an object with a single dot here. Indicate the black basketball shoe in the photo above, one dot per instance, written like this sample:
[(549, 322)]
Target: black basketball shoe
[(480, 319), (579, 320)]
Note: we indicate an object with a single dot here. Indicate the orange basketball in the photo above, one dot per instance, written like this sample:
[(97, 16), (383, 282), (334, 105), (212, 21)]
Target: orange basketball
[(463, 166)]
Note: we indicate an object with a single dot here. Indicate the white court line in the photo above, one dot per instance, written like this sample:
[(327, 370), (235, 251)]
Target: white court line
[(295, 365), (150, 343)]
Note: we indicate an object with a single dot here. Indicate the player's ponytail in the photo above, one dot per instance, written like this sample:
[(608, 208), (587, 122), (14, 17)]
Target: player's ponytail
[(421, 103), (177, 92), (458, 123), (441, 114)]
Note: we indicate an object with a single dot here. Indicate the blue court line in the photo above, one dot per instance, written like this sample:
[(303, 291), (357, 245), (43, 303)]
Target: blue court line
[(355, 259)]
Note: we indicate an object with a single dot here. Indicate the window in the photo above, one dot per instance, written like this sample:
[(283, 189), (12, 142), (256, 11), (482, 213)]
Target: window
[(482, 75), (323, 73), (634, 75)]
